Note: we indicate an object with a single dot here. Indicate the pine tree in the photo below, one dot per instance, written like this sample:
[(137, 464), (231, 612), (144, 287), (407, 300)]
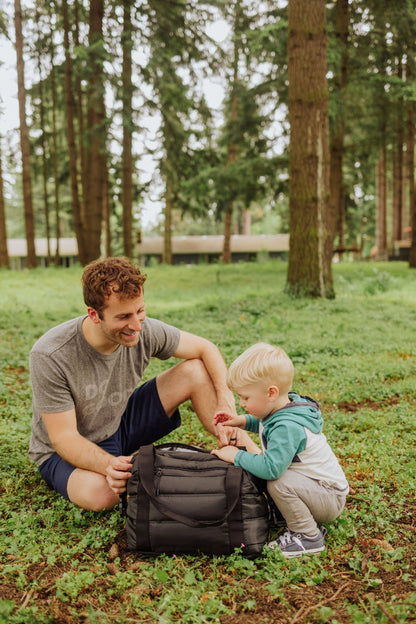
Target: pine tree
[(4, 255), (309, 271), (24, 141), (71, 138), (127, 156), (96, 129)]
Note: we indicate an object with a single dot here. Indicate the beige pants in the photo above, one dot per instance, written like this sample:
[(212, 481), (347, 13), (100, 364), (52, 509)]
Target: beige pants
[(304, 502)]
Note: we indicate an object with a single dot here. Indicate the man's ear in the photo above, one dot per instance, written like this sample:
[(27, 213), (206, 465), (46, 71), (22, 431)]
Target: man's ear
[(273, 393), (93, 315)]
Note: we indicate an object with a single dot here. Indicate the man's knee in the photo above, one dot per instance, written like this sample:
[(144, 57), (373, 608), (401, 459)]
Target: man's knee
[(191, 376), (195, 370), (89, 490)]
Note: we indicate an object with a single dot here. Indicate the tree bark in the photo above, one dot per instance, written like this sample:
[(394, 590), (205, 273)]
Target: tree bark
[(397, 163), (43, 141), (31, 260), (107, 214), (410, 173), (81, 119), (410, 154), (96, 133), (228, 216), (337, 209), (231, 159), (381, 207), (398, 168), (127, 157), (167, 238), (410, 157), (226, 249), (4, 254), (310, 249), (55, 164), (70, 112), (246, 222)]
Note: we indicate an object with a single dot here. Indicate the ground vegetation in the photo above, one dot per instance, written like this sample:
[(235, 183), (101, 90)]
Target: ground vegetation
[(356, 355)]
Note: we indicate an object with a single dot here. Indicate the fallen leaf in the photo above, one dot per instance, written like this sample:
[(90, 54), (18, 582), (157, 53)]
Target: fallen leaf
[(113, 552), (382, 543), (112, 568), (364, 565), (135, 566)]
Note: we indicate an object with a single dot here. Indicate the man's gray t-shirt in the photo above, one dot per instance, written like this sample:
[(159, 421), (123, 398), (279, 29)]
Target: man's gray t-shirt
[(67, 373)]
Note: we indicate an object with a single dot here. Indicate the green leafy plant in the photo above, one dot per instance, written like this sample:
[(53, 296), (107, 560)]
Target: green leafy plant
[(356, 355)]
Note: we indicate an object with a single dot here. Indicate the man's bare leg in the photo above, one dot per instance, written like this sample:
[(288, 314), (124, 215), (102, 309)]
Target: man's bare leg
[(90, 491), (188, 380)]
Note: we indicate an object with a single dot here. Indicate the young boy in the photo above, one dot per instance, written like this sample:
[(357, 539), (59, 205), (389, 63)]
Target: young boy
[(304, 477)]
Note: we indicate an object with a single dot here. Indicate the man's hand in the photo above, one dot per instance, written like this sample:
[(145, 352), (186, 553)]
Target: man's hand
[(230, 436), (117, 473), (226, 453)]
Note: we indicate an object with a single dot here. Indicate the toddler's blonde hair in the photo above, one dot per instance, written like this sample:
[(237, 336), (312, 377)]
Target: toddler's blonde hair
[(261, 362)]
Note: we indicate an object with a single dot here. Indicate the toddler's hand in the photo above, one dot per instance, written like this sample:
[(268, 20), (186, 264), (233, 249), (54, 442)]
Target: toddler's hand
[(221, 417), (227, 453), (229, 420)]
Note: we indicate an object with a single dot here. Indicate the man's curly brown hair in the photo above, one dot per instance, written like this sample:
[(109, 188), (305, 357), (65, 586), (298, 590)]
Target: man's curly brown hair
[(117, 275)]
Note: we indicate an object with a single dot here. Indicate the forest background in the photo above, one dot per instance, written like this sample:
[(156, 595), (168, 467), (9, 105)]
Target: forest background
[(105, 86), (355, 354), (74, 166)]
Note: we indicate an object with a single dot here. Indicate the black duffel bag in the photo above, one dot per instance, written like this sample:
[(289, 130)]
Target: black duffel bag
[(183, 500)]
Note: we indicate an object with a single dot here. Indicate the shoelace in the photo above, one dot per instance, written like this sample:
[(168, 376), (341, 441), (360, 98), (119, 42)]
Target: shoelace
[(286, 538), (290, 537)]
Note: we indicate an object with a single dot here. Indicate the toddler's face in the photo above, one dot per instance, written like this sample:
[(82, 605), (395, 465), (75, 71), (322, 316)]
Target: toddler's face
[(254, 399)]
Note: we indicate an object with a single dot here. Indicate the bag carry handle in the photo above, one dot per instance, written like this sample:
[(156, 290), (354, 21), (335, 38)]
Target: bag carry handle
[(233, 477)]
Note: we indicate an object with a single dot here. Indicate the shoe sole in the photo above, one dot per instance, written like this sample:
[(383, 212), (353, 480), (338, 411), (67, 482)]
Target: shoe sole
[(298, 553)]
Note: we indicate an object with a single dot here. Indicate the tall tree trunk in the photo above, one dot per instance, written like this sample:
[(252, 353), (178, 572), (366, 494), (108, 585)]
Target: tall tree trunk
[(398, 168), (410, 170), (4, 254), (96, 132), (106, 214), (226, 249), (246, 222), (81, 118), (310, 249), (70, 111), (337, 210), (55, 164), (167, 239), (231, 159), (397, 162), (127, 157), (410, 154), (44, 157), (228, 216), (381, 207), (24, 141)]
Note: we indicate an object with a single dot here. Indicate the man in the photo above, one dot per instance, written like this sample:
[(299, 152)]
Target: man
[(88, 414)]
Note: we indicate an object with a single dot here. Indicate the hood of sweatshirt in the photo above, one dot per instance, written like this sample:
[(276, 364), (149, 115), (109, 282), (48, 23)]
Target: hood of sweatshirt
[(300, 409)]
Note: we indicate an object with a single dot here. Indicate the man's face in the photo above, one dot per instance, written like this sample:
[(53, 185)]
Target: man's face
[(122, 320)]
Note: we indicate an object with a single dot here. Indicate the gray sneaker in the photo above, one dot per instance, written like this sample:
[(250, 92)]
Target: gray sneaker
[(293, 544)]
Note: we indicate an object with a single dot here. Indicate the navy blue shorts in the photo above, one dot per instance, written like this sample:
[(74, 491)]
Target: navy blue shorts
[(144, 421)]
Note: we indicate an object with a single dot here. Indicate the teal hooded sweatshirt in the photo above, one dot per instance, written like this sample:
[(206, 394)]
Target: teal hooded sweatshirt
[(283, 437)]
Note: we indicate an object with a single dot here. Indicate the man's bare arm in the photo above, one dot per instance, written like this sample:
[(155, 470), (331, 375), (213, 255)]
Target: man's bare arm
[(191, 346), (82, 453)]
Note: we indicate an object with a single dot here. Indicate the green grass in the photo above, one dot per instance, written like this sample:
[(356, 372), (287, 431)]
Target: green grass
[(355, 354)]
